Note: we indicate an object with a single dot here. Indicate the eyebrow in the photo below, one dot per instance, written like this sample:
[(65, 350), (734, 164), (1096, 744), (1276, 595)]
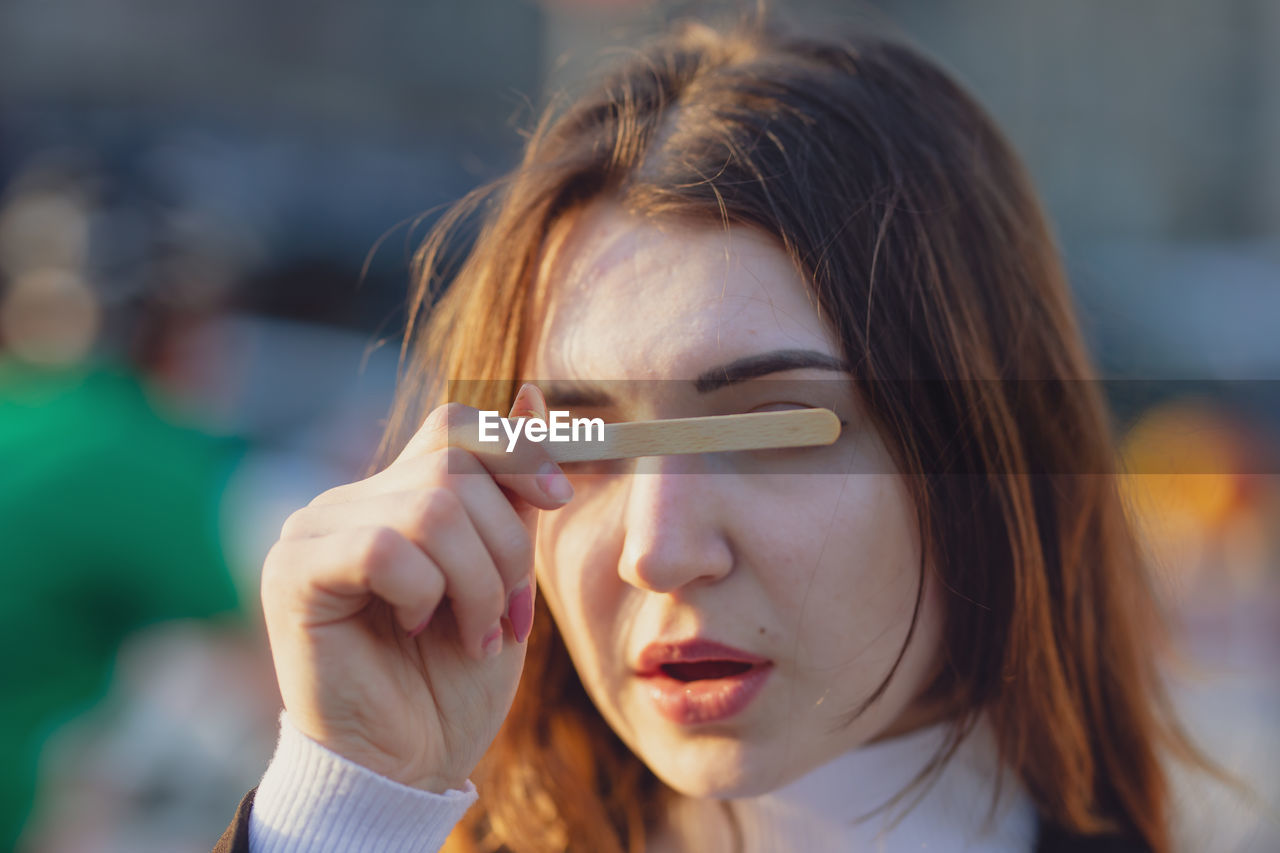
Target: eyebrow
[(572, 394)]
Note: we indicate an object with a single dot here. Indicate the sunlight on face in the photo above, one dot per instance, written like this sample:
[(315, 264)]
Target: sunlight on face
[(814, 572)]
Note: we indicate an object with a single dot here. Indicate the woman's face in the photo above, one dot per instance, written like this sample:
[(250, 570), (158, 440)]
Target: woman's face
[(780, 554)]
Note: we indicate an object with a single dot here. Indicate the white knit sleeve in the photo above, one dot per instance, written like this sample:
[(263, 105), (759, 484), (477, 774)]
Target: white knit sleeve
[(312, 799)]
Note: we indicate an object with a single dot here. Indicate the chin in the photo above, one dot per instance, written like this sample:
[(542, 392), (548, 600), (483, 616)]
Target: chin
[(711, 766)]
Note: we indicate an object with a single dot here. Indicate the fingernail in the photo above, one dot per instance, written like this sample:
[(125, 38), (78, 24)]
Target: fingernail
[(540, 407), (416, 631), (554, 483), (492, 643), (521, 397), (520, 612)]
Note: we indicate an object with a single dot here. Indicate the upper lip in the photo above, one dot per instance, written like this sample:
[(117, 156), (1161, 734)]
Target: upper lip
[(690, 651)]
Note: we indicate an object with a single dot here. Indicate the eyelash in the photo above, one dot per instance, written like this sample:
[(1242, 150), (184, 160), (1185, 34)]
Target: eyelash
[(843, 422)]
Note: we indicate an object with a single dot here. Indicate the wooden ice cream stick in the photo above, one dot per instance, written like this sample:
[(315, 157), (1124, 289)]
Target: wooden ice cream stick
[(751, 431)]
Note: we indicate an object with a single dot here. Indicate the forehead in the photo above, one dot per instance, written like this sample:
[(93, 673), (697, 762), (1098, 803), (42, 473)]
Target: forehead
[(628, 298)]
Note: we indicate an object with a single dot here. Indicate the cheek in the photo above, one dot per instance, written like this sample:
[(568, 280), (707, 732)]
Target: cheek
[(846, 570), (576, 560)]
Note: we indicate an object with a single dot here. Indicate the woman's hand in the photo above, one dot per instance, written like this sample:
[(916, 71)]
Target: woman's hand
[(369, 663)]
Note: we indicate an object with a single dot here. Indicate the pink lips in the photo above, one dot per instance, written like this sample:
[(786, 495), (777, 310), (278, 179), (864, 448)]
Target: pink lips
[(700, 681)]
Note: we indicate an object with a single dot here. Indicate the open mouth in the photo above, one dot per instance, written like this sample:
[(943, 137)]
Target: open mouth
[(705, 691), (706, 669)]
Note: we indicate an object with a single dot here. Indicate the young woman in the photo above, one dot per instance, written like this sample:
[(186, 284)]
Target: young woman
[(937, 631)]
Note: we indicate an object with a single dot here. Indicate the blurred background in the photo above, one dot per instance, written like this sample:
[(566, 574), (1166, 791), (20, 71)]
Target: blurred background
[(206, 213)]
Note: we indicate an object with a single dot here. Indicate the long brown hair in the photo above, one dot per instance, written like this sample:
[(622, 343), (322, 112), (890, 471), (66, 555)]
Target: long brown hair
[(927, 250)]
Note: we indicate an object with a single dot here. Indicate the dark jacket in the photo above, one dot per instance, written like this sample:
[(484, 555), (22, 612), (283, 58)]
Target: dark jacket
[(1051, 838)]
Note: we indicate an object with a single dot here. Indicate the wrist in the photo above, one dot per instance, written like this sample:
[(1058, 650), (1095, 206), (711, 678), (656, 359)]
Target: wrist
[(359, 751)]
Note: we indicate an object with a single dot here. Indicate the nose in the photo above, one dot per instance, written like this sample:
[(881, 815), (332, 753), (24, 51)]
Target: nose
[(675, 524)]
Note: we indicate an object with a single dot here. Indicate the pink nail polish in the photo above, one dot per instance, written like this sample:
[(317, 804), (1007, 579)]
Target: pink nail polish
[(520, 612), (416, 631)]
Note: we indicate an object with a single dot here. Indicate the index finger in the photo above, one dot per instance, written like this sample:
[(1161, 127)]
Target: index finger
[(522, 466)]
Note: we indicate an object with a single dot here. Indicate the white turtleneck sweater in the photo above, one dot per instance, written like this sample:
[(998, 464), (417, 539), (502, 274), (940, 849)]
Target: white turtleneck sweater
[(821, 810), (311, 799)]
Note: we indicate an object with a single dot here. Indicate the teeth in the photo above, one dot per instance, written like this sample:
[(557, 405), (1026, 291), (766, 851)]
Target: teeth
[(705, 669)]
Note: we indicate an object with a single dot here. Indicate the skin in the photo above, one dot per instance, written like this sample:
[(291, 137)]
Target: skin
[(392, 603), (772, 554)]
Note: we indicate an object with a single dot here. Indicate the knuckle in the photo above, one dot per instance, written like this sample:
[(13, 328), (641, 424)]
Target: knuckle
[(437, 508), (442, 467), (329, 496), (294, 525), (450, 464), (443, 417), (454, 410), (375, 548)]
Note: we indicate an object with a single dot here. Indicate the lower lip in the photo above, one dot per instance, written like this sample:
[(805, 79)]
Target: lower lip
[(706, 700)]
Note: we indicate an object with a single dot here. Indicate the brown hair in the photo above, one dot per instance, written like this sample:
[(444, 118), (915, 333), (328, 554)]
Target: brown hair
[(927, 251)]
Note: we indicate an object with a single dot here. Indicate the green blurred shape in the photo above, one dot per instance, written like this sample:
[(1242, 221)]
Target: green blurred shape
[(108, 522)]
